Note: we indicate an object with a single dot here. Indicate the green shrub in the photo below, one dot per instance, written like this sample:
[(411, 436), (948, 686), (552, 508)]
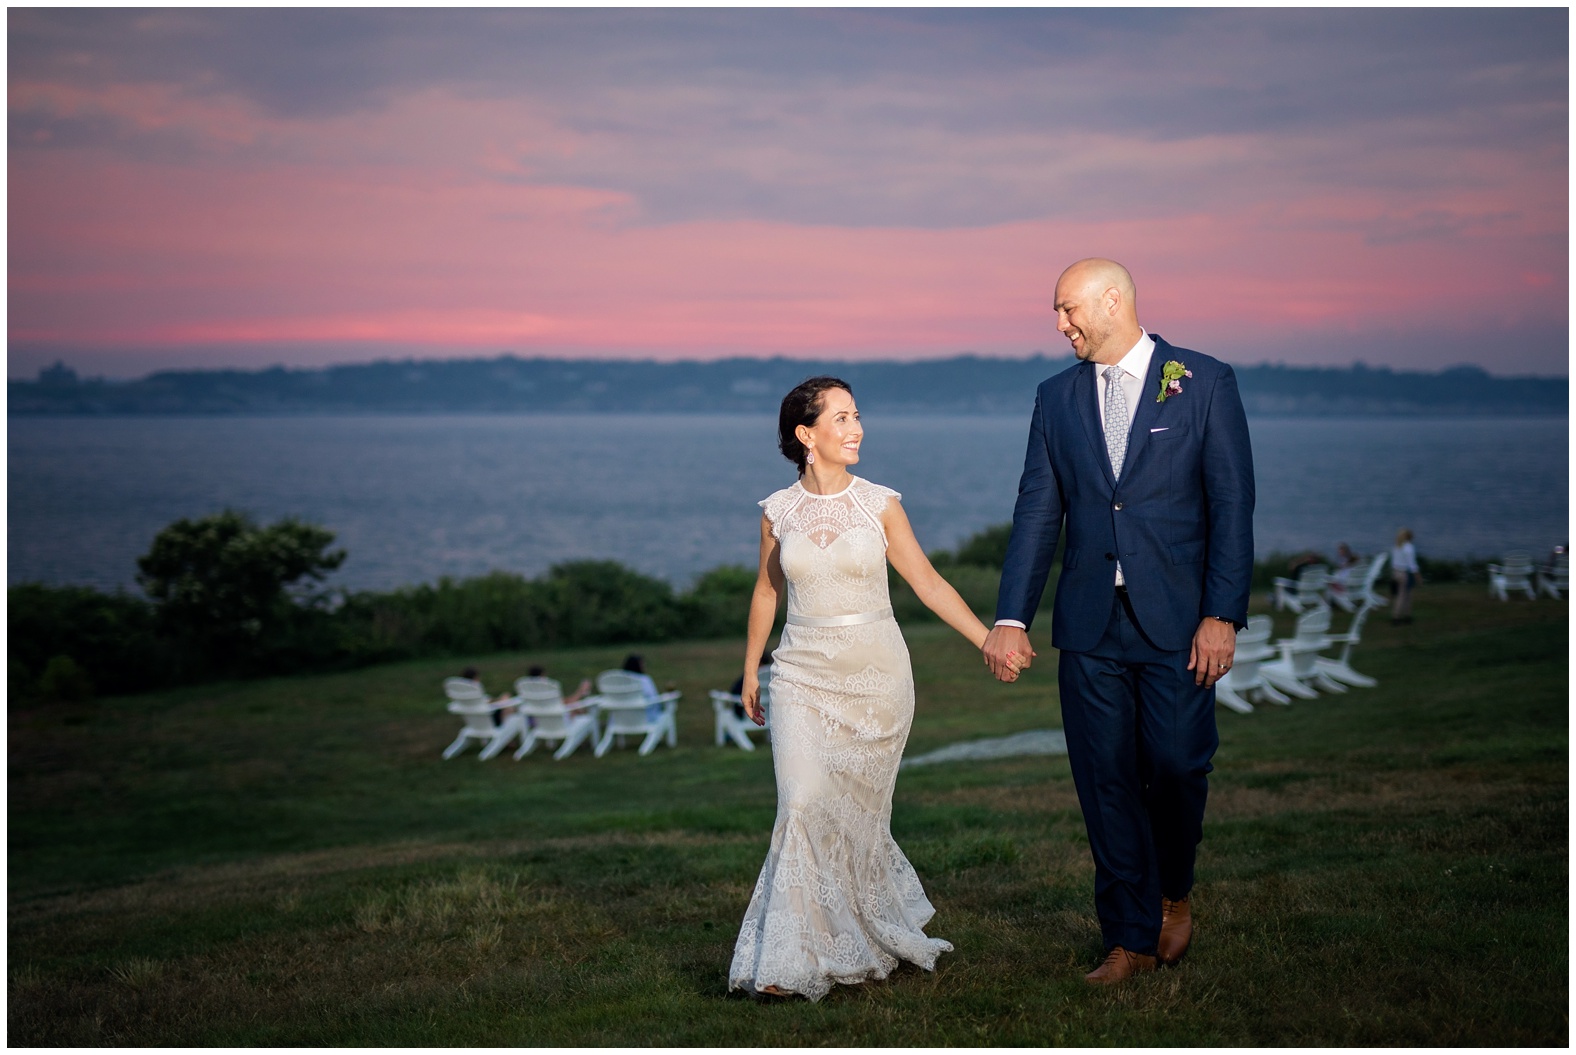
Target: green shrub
[(112, 637), (578, 603), (974, 570), (719, 603), (19, 685), (64, 681), (986, 549), (976, 585), (497, 611), (1470, 570), (227, 600), (221, 583)]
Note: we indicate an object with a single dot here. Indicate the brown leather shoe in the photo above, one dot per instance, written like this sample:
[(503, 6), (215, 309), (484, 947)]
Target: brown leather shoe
[(1176, 930), (1119, 966)]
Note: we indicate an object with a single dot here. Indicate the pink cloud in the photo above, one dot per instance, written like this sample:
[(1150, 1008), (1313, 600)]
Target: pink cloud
[(423, 224)]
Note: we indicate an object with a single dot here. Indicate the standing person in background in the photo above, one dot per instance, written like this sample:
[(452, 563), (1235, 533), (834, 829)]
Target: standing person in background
[(1404, 571)]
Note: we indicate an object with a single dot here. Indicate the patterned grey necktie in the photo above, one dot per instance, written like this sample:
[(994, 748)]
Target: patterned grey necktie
[(1116, 423)]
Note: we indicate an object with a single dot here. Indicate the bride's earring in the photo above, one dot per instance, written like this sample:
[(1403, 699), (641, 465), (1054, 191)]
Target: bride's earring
[(809, 456)]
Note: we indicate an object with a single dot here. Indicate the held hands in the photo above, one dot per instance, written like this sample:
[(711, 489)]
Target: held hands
[(751, 695), (1214, 644), (1007, 652)]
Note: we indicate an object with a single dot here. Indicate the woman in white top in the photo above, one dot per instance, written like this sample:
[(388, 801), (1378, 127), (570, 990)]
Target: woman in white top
[(636, 665), (836, 900), (1403, 567)]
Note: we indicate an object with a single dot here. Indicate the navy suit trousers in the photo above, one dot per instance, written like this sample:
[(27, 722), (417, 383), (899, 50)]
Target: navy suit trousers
[(1140, 736)]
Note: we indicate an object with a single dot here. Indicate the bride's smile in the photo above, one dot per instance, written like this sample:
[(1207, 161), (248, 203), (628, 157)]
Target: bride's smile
[(833, 443)]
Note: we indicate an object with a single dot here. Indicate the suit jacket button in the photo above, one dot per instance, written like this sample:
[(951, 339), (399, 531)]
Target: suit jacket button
[(1118, 506), (1110, 556)]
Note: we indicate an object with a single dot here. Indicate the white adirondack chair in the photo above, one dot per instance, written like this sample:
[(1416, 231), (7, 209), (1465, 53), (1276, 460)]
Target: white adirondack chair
[(1514, 572), (1296, 673), (1305, 591), (1339, 668), (469, 700), (548, 720), (1227, 696), (1338, 589), (729, 726), (1362, 579), (1368, 592), (1355, 584), (1243, 682), (1555, 579), (625, 711)]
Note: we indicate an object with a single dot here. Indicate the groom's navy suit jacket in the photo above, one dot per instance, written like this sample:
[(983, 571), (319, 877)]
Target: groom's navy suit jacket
[(1180, 519)]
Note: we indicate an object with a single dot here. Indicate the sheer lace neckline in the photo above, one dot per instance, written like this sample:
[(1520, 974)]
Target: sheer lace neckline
[(852, 480)]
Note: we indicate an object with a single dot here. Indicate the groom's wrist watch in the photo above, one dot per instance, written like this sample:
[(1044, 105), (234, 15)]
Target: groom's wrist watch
[(1230, 622)]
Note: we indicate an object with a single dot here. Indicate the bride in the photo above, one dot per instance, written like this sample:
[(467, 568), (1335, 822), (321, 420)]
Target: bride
[(836, 900)]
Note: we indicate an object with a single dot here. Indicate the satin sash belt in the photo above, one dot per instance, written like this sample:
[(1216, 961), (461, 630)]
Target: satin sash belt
[(841, 620)]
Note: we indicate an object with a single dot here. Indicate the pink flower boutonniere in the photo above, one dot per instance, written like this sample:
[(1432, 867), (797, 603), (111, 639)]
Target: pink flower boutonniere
[(1171, 376)]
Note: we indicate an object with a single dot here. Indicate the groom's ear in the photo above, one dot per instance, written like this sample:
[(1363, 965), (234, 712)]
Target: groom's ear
[(1111, 301)]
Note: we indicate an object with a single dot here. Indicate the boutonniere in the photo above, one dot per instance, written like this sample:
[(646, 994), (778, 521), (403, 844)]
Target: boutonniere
[(1171, 376)]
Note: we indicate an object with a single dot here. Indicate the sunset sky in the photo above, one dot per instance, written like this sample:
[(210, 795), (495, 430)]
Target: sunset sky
[(223, 188)]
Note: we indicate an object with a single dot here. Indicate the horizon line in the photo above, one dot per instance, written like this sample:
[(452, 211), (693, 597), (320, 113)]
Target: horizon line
[(1037, 354)]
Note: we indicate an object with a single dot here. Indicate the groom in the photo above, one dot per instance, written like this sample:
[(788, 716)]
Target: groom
[(1142, 451)]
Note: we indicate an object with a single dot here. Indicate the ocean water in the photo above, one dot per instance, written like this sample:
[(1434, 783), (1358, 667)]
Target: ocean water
[(416, 498)]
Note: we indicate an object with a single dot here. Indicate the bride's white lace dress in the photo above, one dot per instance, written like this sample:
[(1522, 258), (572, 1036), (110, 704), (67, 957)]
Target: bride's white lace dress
[(836, 900)]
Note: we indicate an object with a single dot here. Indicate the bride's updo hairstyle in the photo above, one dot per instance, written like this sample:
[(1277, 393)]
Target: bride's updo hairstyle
[(801, 407)]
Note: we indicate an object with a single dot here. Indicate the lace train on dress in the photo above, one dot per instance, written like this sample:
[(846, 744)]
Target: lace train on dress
[(836, 900)]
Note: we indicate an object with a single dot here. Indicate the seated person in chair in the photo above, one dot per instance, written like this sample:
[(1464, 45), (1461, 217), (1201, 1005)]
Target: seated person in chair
[(581, 691), (469, 674), (738, 685), (1341, 571), (637, 665)]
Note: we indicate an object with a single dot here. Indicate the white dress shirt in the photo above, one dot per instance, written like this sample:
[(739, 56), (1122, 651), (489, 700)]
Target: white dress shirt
[(1135, 367)]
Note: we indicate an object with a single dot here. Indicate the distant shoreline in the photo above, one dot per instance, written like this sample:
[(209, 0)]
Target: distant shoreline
[(964, 385), (910, 411)]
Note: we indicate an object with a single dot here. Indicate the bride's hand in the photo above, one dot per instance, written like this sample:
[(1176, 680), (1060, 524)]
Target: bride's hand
[(1013, 669), (1007, 652), (751, 695)]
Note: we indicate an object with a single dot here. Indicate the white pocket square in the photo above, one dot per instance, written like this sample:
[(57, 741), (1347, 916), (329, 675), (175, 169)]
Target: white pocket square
[(1160, 430)]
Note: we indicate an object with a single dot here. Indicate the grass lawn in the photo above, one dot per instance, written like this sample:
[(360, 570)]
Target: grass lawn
[(289, 862)]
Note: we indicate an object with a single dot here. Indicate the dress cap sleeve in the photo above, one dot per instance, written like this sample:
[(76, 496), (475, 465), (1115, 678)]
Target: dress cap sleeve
[(875, 496), (776, 506)]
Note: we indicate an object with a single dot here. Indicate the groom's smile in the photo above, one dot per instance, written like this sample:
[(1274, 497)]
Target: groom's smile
[(1095, 312)]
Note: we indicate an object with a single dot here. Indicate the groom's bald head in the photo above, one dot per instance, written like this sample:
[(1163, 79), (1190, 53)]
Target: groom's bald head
[(1104, 275), (1097, 309)]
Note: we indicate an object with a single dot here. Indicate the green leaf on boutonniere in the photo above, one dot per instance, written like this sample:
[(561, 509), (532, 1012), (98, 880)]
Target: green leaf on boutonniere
[(1171, 376)]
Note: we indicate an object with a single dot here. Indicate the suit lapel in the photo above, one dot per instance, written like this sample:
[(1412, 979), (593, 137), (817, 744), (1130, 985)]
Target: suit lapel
[(1148, 405), (1084, 395)]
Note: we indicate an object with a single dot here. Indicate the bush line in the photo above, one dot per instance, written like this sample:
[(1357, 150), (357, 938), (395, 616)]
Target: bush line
[(68, 643)]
